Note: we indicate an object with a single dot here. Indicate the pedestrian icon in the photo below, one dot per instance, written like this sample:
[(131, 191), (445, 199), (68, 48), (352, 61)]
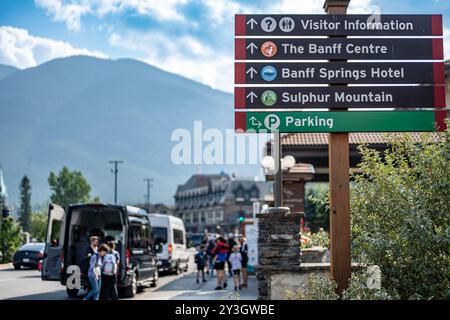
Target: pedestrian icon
[(269, 98), (269, 49), (286, 24), (269, 73), (268, 24)]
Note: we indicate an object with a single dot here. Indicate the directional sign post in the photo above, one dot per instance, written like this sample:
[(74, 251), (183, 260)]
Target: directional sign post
[(338, 25), (339, 97), (329, 121), (339, 48), (272, 73), (276, 87)]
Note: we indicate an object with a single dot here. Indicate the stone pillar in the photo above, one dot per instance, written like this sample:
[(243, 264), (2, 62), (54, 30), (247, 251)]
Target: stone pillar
[(278, 248)]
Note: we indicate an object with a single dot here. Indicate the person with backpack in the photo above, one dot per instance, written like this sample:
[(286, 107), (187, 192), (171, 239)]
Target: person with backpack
[(95, 273), (220, 254), (200, 261), (110, 267)]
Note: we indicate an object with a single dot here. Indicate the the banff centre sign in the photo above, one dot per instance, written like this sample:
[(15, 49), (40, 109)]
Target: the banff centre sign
[(275, 83)]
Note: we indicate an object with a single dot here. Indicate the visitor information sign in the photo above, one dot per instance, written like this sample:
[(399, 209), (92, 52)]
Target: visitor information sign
[(381, 72)]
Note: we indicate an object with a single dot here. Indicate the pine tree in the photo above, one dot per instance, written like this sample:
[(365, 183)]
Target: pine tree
[(25, 204)]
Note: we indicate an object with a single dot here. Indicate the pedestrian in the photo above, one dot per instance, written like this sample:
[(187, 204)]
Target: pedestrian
[(244, 254), (110, 268), (94, 273), (231, 244), (209, 249), (236, 266), (85, 263), (200, 260), (220, 257)]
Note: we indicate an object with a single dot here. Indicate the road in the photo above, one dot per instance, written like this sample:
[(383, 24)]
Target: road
[(26, 284)]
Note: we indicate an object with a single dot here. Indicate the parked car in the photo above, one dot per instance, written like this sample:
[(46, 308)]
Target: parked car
[(28, 255), (68, 236), (169, 231)]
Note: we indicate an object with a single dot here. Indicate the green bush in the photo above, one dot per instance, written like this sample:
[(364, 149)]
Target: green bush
[(318, 239), (317, 206), (401, 215), (363, 285)]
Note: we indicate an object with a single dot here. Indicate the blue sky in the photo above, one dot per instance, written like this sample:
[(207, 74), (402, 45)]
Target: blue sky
[(193, 38)]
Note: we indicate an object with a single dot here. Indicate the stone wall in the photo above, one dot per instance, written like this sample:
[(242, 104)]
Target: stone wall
[(278, 249)]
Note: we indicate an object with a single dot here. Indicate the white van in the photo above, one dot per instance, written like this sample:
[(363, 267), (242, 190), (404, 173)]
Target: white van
[(170, 232)]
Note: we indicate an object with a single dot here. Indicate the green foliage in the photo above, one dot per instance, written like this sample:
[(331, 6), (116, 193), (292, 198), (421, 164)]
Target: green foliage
[(38, 225), (317, 207), (317, 287), (68, 187), (363, 285), (25, 204), (318, 239), (401, 215), (11, 238)]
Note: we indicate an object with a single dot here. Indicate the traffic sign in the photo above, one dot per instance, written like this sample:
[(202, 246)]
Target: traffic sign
[(339, 48), (352, 121), (339, 97), (338, 25), (339, 72)]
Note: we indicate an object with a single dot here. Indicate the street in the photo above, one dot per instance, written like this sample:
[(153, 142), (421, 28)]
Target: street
[(26, 284)]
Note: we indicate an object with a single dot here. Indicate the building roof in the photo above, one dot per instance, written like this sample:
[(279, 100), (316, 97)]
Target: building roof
[(355, 138)]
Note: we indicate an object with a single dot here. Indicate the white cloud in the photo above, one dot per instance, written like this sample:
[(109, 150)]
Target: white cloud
[(185, 56), (22, 50), (71, 11)]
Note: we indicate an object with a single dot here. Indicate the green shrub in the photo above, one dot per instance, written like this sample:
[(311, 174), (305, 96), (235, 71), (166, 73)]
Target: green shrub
[(401, 215)]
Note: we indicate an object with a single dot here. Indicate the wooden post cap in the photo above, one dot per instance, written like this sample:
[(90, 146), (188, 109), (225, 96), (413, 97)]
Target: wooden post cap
[(335, 3)]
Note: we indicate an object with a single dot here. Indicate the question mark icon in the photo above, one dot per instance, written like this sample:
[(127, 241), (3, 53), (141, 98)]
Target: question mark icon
[(268, 24)]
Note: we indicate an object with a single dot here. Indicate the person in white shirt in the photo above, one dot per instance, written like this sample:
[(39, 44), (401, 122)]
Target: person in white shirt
[(236, 266)]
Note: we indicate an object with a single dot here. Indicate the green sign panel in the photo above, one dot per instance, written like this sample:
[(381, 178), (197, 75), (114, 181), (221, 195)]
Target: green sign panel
[(351, 121)]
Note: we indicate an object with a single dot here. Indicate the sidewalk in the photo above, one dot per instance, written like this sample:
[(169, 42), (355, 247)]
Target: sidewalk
[(186, 288), (6, 266)]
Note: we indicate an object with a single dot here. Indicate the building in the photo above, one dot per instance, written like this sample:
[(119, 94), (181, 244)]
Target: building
[(3, 193), (216, 201)]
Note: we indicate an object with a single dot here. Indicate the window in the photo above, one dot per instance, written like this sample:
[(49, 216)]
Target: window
[(203, 216), (56, 231), (139, 236), (219, 215), (210, 218), (160, 235), (178, 236), (195, 217)]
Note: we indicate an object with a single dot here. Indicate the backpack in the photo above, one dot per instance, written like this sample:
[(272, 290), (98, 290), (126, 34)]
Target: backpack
[(109, 265), (222, 256), (200, 258)]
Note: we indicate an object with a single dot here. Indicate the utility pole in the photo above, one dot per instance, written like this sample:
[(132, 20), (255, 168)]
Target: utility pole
[(278, 179), (149, 185), (115, 171)]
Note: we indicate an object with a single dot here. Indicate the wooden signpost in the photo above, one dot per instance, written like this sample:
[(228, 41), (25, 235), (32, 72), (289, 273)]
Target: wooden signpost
[(275, 87)]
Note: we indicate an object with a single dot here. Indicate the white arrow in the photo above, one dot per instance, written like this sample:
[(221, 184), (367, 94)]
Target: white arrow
[(255, 122), (252, 46), (252, 22), (252, 71), (251, 95)]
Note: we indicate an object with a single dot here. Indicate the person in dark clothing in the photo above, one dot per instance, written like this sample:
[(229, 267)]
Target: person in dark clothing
[(231, 244), (200, 261), (110, 268), (244, 262), (209, 249)]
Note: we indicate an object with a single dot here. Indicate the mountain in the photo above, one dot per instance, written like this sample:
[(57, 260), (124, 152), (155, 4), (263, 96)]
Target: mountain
[(6, 71), (81, 112)]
